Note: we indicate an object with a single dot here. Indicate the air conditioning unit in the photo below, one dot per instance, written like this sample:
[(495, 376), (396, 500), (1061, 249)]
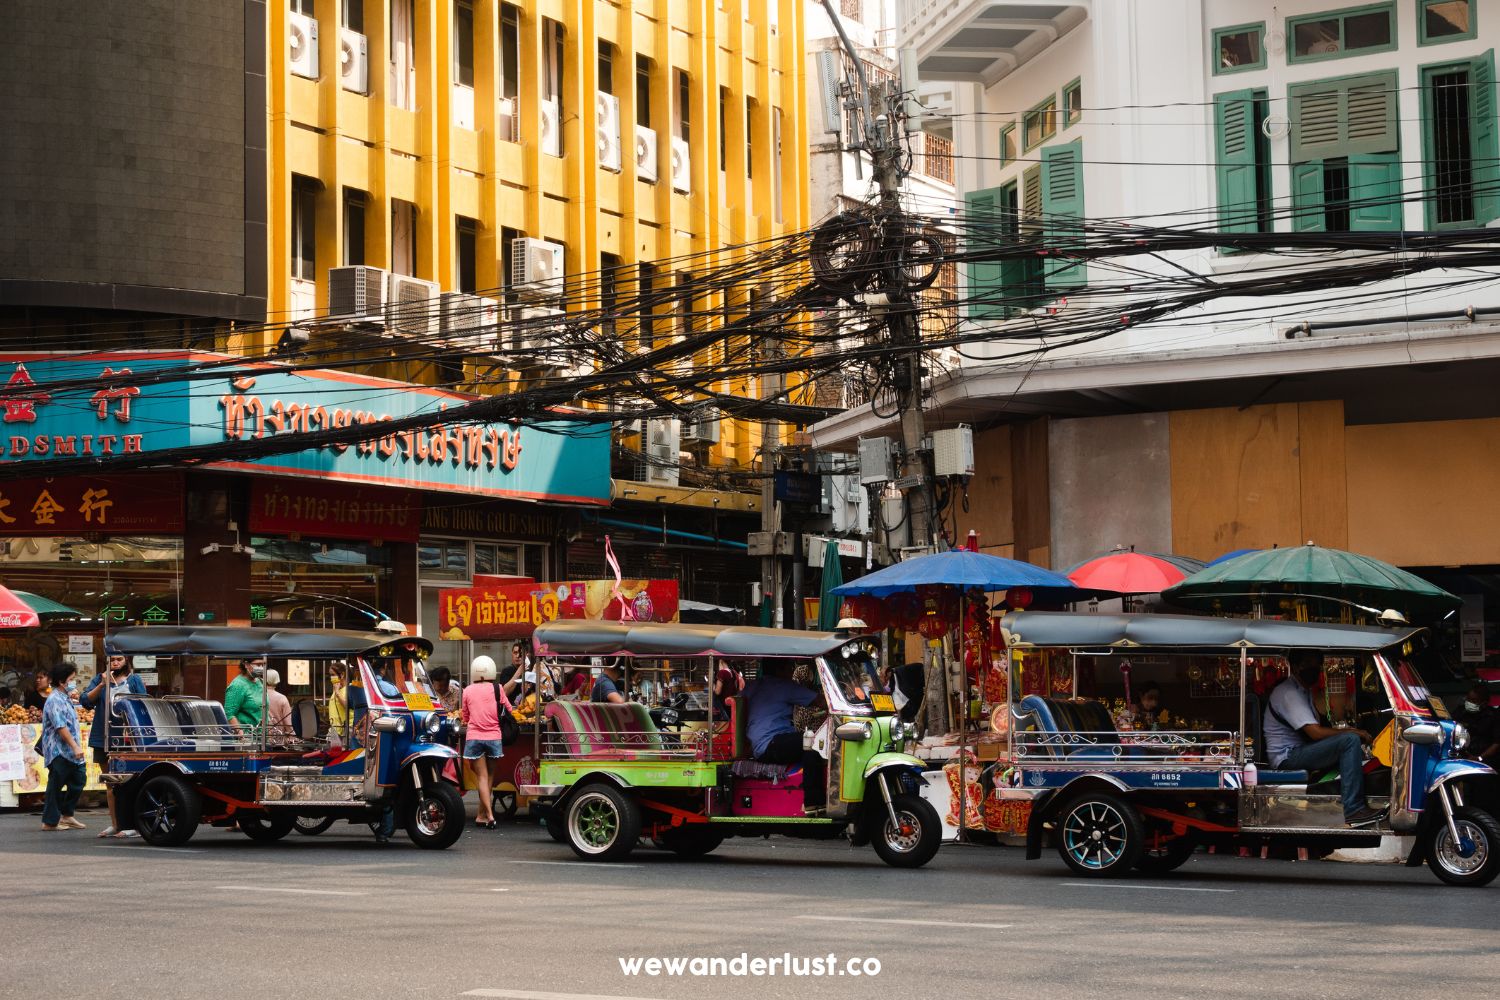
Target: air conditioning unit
[(536, 267), (645, 154), (532, 328), (412, 309), (302, 301), (607, 131), (358, 292), (354, 61), (461, 316), (508, 119), (302, 37), (703, 428), (551, 136), (682, 166), (463, 106), (663, 442)]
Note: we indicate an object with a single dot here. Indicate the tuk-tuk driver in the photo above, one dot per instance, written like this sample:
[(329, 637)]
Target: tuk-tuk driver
[(1297, 739), (774, 739)]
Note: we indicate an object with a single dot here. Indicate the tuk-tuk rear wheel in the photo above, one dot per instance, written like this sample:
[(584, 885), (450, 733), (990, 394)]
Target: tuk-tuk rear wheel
[(1453, 863), (603, 823), (1169, 856), (1100, 835), (265, 827)]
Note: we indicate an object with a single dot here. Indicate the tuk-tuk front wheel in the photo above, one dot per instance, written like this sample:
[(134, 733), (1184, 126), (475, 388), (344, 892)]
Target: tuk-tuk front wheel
[(434, 815), (603, 823), (1100, 835), (912, 838), (1475, 859)]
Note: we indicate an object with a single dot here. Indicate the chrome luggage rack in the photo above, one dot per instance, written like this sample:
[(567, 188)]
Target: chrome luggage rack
[(1175, 747)]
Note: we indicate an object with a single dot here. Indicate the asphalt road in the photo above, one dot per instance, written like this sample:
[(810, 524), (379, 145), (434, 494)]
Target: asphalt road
[(508, 913)]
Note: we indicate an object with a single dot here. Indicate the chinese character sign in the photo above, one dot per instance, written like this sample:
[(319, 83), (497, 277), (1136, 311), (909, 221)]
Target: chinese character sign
[(145, 504)]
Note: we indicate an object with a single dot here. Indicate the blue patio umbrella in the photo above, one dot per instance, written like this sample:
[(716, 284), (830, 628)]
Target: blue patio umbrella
[(962, 568), (1231, 555)]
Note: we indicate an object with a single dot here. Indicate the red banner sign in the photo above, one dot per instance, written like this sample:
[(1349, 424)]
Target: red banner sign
[(332, 510), (513, 611), (80, 505)]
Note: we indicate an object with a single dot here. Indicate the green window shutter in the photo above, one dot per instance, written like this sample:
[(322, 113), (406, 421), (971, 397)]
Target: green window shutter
[(1375, 192), (1307, 197), (1483, 144), (1234, 145), (1062, 211), (1316, 128), (984, 276), (1344, 117), (1370, 115)]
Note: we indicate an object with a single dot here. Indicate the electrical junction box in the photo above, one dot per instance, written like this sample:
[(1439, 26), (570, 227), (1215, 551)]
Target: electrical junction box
[(877, 460), (953, 451)]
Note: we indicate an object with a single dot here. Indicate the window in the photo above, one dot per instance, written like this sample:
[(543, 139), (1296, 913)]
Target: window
[(403, 55), (606, 68), (1073, 103), (1345, 154), (1062, 214), (684, 106), (510, 51), (645, 296), (1356, 31), (302, 7), (1243, 162), (1048, 202), (1239, 48), (1040, 123), (553, 55), (723, 128), (508, 239), (609, 292), (403, 237), (1446, 20), (463, 43), (643, 91), (776, 165), (1008, 144), (466, 252), (354, 226), (304, 228), (1460, 152), (685, 304), (354, 15)]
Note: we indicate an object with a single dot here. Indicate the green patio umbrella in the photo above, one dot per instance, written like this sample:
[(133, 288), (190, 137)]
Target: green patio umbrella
[(46, 607), (833, 576), (1330, 578)]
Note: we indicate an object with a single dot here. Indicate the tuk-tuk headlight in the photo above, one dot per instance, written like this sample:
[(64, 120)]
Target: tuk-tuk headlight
[(1460, 737), (434, 725)]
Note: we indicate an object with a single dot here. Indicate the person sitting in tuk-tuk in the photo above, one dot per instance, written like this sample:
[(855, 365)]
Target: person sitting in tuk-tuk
[(774, 739), (1297, 739), (608, 688)]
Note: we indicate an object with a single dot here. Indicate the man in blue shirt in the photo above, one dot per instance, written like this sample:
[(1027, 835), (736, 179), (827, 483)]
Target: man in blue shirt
[(117, 679), (769, 700), (1297, 739)]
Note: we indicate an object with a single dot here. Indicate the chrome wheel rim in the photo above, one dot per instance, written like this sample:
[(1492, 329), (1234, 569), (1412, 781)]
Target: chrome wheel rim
[(431, 817), (1451, 856), (905, 833), (596, 823), (1094, 835)]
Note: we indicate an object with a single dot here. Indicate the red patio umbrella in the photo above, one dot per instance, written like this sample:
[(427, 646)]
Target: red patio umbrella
[(1126, 573), (16, 613)]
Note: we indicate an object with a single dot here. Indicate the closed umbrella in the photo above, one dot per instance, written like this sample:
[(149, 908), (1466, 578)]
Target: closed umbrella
[(833, 576), (16, 613), (1312, 572)]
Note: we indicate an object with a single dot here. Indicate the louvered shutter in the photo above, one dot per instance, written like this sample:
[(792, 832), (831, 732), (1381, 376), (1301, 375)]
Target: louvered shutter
[(1375, 192), (1062, 212), (986, 232), (1317, 130), (1307, 197), (1369, 110), (1483, 145), (1234, 144), (1343, 117)]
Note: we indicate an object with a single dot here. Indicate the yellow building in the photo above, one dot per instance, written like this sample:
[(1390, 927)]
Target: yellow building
[(423, 137)]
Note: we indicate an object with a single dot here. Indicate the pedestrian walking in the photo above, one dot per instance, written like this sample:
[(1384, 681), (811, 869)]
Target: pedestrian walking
[(62, 752), (118, 679), (483, 701)]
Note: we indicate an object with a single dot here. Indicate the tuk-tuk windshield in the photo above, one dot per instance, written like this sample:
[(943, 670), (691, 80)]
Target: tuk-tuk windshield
[(857, 688), (1415, 689)]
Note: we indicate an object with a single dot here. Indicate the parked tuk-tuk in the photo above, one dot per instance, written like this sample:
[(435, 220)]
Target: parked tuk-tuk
[(1112, 800), (610, 773), (177, 761)]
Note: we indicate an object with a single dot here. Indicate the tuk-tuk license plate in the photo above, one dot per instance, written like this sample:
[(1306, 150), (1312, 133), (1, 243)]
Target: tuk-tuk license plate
[(882, 703)]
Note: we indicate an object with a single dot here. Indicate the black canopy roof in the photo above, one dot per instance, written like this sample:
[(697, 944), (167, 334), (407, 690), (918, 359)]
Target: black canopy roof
[(587, 638), (1064, 629), (221, 640)]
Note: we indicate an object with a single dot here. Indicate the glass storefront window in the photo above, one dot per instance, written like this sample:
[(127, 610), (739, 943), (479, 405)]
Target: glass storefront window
[(320, 584)]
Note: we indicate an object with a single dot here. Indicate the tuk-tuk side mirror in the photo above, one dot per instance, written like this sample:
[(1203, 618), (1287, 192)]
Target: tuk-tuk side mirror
[(1425, 733)]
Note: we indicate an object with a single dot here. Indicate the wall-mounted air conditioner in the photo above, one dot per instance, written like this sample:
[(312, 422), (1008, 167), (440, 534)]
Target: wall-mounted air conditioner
[(354, 61), (536, 267), (682, 166), (703, 428), (508, 119), (302, 301), (358, 293), (461, 316), (551, 137), (645, 154), (302, 38), (463, 106), (663, 442), (412, 307), (533, 329), (607, 131)]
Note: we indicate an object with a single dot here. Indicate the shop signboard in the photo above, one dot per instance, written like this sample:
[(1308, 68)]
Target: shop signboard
[(80, 505), (327, 510), (514, 610), (95, 405)]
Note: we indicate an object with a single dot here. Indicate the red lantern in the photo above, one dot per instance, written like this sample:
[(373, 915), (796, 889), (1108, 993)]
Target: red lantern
[(904, 610), (1019, 598)]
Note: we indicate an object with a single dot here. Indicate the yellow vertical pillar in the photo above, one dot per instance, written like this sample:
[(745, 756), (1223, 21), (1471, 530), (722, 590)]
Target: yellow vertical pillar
[(278, 176), (486, 106), (329, 245)]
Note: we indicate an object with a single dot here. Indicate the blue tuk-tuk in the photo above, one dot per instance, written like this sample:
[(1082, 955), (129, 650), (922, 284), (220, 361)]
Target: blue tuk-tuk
[(1115, 799), (176, 762)]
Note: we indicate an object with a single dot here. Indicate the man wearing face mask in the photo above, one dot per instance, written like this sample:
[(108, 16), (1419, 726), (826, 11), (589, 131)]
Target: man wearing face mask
[(1483, 724), (1297, 739), (245, 698)]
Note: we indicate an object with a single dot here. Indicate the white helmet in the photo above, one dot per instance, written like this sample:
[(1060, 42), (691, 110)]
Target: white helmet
[(482, 669)]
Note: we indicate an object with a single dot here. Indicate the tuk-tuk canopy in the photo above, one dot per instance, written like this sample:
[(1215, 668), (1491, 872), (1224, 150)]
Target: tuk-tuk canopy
[(222, 640), (1055, 629), (591, 638)]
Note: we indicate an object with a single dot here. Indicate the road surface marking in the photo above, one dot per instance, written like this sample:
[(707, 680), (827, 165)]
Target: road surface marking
[(298, 892), (148, 847), (897, 920), (1159, 888), (581, 864), (499, 890), (531, 995)]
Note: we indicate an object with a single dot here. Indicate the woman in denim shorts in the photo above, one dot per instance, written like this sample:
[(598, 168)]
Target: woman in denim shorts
[(483, 701)]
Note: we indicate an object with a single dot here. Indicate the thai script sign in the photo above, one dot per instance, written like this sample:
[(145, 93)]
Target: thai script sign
[(513, 611), (308, 507)]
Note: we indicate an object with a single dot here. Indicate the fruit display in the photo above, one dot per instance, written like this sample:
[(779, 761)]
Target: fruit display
[(15, 715)]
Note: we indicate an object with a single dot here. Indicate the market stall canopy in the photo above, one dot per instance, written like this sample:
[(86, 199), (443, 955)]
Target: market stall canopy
[(961, 568), (47, 607), (700, 613), (594, 638), (1331, 576), (1125, 571), (209, 640), (15, 612), (1067, 630)]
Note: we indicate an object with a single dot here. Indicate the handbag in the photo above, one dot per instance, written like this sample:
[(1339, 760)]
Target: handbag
[(510, 730)]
